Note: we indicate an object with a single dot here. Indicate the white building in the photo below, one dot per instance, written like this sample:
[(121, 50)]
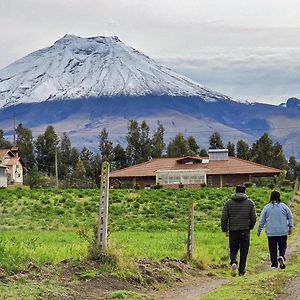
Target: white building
[(13, 164), (3, 176)]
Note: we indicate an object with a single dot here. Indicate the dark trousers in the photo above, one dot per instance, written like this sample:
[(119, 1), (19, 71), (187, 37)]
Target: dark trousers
[(277, 244), (239, 241)]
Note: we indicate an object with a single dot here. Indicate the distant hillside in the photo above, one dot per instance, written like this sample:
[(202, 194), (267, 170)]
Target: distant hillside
[(81, 85), (83, 119)]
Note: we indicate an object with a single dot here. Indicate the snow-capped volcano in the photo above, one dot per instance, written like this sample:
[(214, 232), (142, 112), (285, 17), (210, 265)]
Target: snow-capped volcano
[(76, 67)]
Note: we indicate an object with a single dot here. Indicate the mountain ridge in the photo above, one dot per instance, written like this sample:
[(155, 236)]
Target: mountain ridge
[(79, 85), (75, 67)]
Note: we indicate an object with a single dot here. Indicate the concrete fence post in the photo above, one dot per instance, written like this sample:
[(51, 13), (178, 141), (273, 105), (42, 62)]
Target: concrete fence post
[(103, 207)]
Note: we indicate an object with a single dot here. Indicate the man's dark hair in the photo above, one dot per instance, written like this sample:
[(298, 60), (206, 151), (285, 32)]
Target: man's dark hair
[(240, 189)]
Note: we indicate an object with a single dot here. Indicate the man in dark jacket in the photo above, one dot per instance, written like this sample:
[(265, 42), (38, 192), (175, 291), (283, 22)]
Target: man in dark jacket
[(238, 218)]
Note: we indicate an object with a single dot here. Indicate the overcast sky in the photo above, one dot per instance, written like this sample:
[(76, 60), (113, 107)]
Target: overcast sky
[(249, 50)]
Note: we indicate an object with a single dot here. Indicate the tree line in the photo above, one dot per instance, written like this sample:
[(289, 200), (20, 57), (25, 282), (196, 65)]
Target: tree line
[(48, 150)]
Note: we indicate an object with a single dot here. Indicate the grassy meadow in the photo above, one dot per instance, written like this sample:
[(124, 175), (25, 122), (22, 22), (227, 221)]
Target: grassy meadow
[(46, 226)]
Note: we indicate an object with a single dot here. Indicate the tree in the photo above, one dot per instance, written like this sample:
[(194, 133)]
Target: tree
[(80, 172), (74, 157), (262, 150), (46, 147), (133, 150), (40, 151), (157, 142), (4, 143), (178, 147), (97, 169), (293, 168), (64, 157), (105, 146), (145, 142), (242, 150), (87, 157), (231, 149), (203, 153), (120, 159), (25, 144), (33, 178), (193, 146), (278, 158), (215, 141)]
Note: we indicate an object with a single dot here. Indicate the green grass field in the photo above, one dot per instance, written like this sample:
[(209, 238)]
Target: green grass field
[(144, 223), (46, 226)]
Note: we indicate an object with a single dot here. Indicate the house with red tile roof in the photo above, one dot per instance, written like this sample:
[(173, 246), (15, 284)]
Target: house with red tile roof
[(217, 170), (10, 160)]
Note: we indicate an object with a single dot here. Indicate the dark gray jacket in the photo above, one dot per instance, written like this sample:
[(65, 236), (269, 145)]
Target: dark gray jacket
[(238, 213)]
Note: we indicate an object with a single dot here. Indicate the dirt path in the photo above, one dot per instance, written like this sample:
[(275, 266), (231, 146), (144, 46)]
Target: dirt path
[(194, 290), (292, 291), (191, 291)]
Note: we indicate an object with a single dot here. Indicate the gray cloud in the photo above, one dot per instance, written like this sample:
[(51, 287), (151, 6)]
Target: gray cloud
[(257, 75), (246, 49)]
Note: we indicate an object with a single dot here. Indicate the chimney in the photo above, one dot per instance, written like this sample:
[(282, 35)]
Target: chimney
[(218, 154), (15, 151)]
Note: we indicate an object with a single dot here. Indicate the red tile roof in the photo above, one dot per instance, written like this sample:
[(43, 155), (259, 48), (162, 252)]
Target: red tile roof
[(231, 166), (3, 153), (13, 161)]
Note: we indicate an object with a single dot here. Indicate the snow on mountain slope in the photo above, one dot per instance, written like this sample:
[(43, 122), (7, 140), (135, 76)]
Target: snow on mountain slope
[(76, 67)]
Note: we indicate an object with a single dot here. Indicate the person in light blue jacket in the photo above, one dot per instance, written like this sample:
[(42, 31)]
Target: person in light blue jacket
[(278, 220)]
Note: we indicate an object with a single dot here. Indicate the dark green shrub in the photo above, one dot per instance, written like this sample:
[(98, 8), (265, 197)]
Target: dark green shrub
[(287, 183), (157, 186), (248, 184), (271, 185), (136, 186)]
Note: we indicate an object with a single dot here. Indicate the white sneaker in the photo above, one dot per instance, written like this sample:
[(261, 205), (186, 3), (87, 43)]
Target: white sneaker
[(281, 262), (273, 268), (233, 270)]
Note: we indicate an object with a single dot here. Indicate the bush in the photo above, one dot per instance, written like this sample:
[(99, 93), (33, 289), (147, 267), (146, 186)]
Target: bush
[(157, 186), (136, 186), (117, 185), (181, 185), (287, 183), (248, 184), (271, 185)]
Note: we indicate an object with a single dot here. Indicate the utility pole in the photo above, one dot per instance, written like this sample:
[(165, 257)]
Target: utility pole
[(14, 129), (103, 207), (56, 169)]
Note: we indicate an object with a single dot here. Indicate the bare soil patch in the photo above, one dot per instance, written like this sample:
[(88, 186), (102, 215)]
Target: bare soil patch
[(187, 282)]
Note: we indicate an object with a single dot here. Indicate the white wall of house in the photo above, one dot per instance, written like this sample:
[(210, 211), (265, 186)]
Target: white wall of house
[(181, 176), (218, 154), (3, 177), (17, 173)]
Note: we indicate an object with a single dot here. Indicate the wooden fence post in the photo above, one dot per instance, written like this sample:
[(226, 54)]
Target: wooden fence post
[(103, 207), (190, 242)]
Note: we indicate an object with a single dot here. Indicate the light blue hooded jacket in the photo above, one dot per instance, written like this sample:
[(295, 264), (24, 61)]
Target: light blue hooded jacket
[(277, 218)]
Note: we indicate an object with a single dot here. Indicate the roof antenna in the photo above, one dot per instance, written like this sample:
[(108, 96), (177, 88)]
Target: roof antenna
[(14, 129)]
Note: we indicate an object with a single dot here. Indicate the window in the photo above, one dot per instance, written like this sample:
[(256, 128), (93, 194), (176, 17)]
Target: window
[(184, 177)]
